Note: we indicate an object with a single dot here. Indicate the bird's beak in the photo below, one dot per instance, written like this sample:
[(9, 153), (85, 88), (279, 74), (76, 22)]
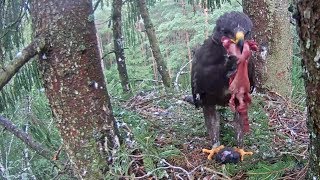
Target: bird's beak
[(239, 40)]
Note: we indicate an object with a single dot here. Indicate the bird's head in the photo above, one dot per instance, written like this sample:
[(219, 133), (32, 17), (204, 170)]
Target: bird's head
[(238, 38), (234, 25)]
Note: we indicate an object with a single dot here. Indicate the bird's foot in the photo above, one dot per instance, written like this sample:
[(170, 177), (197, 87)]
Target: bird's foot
[(213, 151), (243, 153)]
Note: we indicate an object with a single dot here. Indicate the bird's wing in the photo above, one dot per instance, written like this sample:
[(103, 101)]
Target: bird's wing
[(208, 73)]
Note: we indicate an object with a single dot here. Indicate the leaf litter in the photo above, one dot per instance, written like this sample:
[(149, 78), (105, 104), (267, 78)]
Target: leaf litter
[(179, 124)]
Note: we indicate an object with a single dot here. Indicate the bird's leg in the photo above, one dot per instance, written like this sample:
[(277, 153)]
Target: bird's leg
[(238, 125), (212, 122)]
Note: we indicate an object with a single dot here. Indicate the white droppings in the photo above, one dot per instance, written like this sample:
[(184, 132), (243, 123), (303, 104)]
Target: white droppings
[(119, 59), (44, 56), (317, 58), (95, 85), (84, 172), (307, 73), (307, 13), (308, 44), (197, 96), (264, 53), (19, 54)]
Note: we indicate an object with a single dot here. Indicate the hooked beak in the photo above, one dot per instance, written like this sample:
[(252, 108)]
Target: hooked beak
[(239, 40)]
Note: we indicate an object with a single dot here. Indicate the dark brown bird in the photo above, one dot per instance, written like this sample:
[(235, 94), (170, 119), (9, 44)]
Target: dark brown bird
[(212, 69)]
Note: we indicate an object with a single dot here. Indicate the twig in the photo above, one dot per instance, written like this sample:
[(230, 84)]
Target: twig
[(176, 85), (215, 172), (107, 54), (140, 177), (239, 2), (2, 171), (295, 154), (150, 100), (19, 18), (270, 172), (96, 5), (176, 167), (26, 159), (25, 138)]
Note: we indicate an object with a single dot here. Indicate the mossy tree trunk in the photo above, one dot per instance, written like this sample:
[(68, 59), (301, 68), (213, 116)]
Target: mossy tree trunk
[(272, 31), (308, 18), (74, 83), (161, 64), (118, 42)]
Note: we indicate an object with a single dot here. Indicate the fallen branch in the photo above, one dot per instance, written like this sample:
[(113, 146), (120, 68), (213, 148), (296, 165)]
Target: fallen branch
[(176, 82), (7, 72), (28, 140), (217, 173), (2, 171)]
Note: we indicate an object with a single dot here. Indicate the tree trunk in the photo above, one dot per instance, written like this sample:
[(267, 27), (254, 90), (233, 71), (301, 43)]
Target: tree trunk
[(161, 64), (187, 39), (118, 42), (308, 18), (74, 83), (272, 31)]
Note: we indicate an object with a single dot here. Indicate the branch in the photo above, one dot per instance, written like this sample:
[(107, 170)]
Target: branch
[(176, 82), (239, 2), (107, 54), (6, 73), (2, 171), (8, 125), (96, 5)]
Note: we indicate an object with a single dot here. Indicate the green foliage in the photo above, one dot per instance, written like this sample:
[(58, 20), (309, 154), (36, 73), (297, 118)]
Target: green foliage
[(172, 23), (264, 170), (22, 83), (144, 143), (15, 33), (171, 31), (298, 91), (11, 29), (33, 111)]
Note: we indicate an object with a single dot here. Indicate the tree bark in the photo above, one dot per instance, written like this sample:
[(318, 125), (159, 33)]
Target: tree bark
[(308, 26), (118, 42), (74, 83), (161, 64), (272, 31)]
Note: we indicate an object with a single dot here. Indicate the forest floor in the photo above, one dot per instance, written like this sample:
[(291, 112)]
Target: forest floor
[(168, 135)]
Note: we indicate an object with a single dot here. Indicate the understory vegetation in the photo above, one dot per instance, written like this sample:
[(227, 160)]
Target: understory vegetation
[(163, 135)]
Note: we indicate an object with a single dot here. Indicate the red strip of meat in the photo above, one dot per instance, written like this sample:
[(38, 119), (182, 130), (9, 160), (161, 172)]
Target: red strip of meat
[(239, 84)]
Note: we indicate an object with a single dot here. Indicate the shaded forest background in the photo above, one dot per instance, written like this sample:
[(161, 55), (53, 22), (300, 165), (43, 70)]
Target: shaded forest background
[(163, 135)]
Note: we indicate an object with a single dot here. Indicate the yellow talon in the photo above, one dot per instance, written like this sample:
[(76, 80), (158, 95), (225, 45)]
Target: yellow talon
[(243, 153), (212, 151)]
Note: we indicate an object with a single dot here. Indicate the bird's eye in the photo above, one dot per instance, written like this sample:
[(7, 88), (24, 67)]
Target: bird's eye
[(227, 33), (248, 34)]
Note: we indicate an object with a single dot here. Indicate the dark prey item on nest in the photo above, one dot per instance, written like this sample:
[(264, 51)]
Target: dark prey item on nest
[(227, 155), (212, 69)]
